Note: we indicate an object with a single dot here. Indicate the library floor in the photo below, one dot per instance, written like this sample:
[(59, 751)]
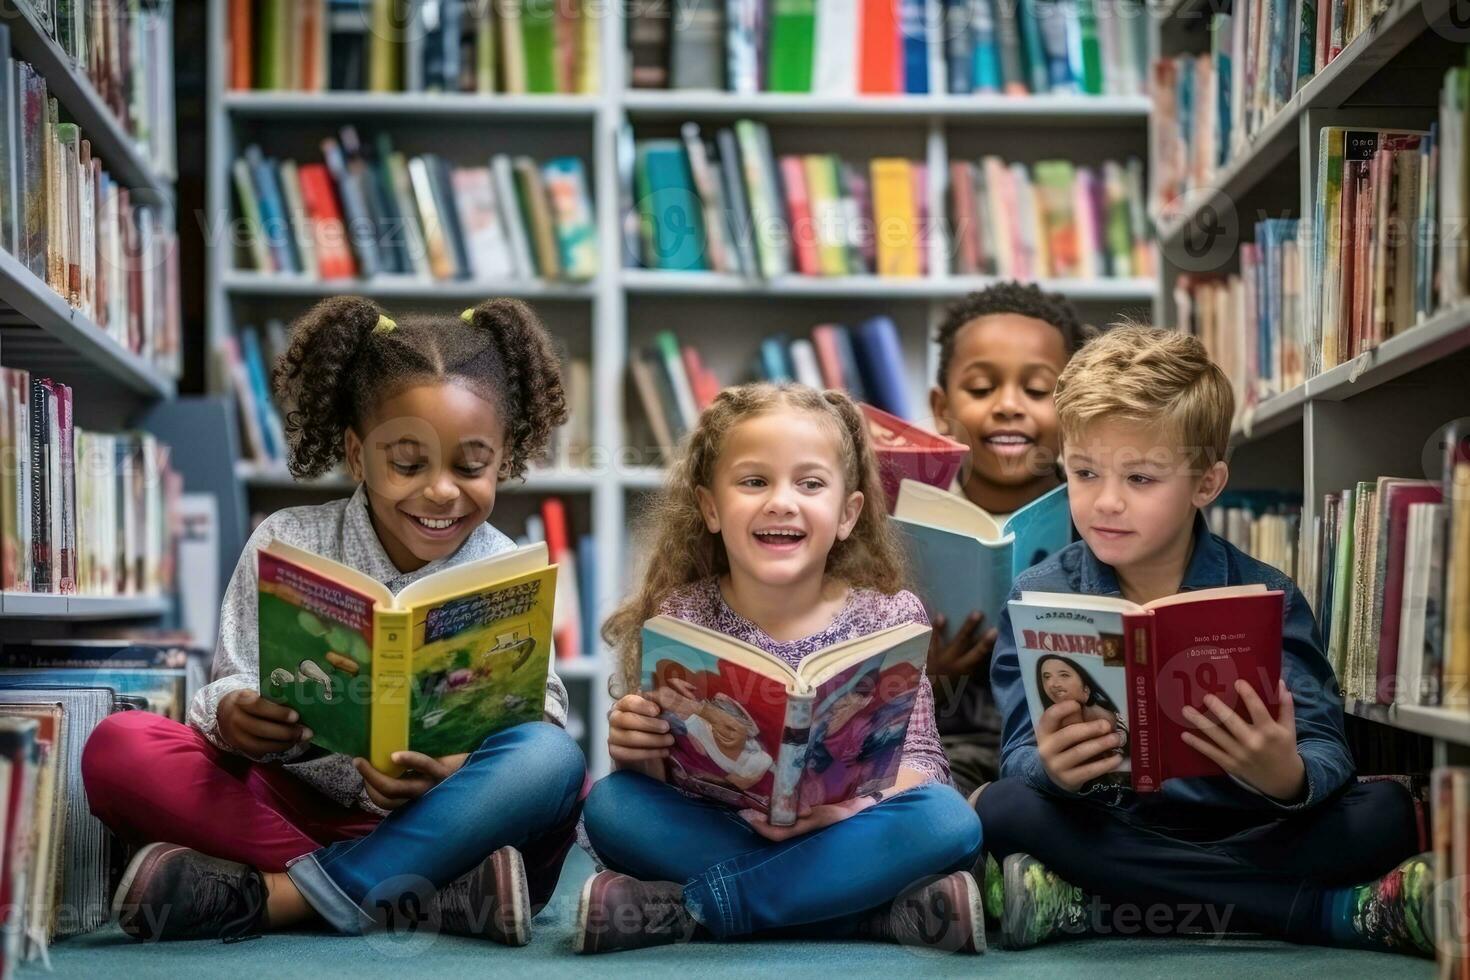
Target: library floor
[(311, 955)]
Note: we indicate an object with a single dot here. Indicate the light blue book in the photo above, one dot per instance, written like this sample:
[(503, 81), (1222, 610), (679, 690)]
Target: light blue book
[(963, 559)]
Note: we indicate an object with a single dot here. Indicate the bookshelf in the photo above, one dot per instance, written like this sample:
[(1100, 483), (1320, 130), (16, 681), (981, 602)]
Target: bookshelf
[(1376, 414), (114, 387), (621, 309)]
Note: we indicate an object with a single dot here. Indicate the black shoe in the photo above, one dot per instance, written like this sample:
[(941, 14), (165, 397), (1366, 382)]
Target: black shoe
[(942, 915), (172, 892), (618, 912), (490, 902)]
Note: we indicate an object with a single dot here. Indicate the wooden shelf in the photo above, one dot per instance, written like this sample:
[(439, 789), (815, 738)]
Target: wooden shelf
[(1271, 415), (42, 333), (1039, 110), (265, 284), (121, 155), (41, 605), (428, 107)]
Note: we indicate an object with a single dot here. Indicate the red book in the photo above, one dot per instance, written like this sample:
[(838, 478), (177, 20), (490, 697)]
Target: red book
[(329, 234), (1138, 666), (905, 450), (880, 68), (798, 207), (1393, 541), (829, 357), (241, 49), (962, 190), (565, 626)]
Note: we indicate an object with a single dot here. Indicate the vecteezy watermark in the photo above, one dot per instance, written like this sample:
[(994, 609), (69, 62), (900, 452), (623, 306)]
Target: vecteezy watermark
[(1450, 19), (1448, 444), (1210, 233)]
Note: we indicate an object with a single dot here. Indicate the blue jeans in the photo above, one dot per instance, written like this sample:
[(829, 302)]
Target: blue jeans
[(737, 882), (519, 784)]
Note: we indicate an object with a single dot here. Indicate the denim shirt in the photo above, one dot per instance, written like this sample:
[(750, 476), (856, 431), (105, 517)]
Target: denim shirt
[(1214, 562)]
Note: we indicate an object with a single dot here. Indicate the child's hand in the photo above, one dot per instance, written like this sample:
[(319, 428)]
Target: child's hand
[(963, 654), (1075, 752), (635, 733), (1262, 751), (258, 726), (808, 819), (424, 772)]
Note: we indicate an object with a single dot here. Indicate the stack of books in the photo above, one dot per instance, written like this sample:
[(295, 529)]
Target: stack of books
[(674, 385), (733, 205), (96, 243), (839, 48), (483, 46), (1051, 219), (81, 513), (1253, 323), (126, 50), (367, 211)]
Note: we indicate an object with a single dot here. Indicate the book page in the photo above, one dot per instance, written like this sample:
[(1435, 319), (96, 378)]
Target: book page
[(923, 504), (480, 662), (473, 575), (316, 650), (726, 719)]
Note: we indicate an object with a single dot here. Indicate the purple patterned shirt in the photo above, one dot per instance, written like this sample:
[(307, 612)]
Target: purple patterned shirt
[(867, 611)]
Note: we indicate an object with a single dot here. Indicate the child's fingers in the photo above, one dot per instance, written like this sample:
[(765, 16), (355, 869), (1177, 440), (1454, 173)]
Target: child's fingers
[(1212, 731), (1076, 732), (639, 740), (1286, 707), (1253, 703), (270, 730), (1084, 752), (258, 747), (426, 764), (1057, 717), (637, 704), (629, 721), (1233, 722), (1100, 767), (253, 704), (387, 785), (1212, 752)]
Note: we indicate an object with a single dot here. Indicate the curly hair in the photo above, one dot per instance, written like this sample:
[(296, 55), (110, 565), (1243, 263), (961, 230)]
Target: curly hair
[(346, 356), (1022, 299), (682, 548)]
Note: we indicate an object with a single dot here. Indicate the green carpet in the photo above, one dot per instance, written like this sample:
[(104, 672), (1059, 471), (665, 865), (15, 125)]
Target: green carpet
[(310, 955)]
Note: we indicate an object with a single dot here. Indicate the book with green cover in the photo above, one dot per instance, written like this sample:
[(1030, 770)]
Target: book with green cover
[(453, 658), (1091, 81), (538, 34), (793, 26)]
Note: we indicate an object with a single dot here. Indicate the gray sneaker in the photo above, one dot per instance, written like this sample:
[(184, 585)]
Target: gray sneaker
[(618, 912), (1039, 905), (943, 914), (173, 892), (490, 902)]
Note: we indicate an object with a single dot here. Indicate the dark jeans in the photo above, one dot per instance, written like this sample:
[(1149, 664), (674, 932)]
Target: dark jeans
[(1166, 867), (737, 882)]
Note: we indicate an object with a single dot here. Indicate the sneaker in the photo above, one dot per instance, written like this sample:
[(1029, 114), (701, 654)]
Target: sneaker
[(490, 902), (618, 912), (1038, 904), (1394, 913), (172, 892), (943, 914), (994, 891)]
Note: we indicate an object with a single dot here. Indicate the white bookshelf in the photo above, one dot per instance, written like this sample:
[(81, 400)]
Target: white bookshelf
[(725, 315), (1377, 414), (41, 333)]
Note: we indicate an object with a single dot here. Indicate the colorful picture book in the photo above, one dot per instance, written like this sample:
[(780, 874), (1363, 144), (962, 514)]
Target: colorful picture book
[(963, 559), (751, 732), (1138, 666), (454, 657)]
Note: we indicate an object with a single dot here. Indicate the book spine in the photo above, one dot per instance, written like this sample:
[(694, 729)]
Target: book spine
[(1143, 750), (388, 720), (791, 761)]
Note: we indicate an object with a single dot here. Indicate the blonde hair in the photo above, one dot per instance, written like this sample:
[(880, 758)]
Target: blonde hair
[(682, 548), (1153, 377)]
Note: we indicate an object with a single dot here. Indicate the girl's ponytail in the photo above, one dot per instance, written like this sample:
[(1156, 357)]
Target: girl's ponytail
[(313, 380), (534, 402)]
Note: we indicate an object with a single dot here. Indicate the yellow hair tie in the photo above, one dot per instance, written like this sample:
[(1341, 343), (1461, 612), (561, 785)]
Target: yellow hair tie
[(385, 325), (468, 316)]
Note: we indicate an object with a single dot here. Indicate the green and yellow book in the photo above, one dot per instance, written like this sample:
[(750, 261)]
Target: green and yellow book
[(454, 657)]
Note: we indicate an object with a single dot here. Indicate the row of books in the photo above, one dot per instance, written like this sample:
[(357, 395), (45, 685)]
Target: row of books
[(366, 211), (103, 248), (484, 46), (1385, 567), (246, 361), (1266, 526), (58, 865), (574, 620), (1253, 322), (674, 385), (1052, 218), (735, 206), (125, 48), (80, 512)]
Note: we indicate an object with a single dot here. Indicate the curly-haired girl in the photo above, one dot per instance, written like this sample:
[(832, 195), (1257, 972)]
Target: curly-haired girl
[(429, 414), (766, 532)]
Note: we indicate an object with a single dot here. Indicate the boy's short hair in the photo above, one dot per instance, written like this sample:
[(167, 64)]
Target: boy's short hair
[(1007, 297), (1149, 376)]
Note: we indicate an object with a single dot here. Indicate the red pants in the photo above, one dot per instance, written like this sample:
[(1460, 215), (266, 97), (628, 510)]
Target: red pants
[(152, 779)]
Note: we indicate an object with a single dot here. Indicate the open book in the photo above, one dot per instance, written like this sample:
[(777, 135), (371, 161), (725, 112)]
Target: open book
[(963, 559), (751, 732), (1138, 666), (454, 657), (907, 452)]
